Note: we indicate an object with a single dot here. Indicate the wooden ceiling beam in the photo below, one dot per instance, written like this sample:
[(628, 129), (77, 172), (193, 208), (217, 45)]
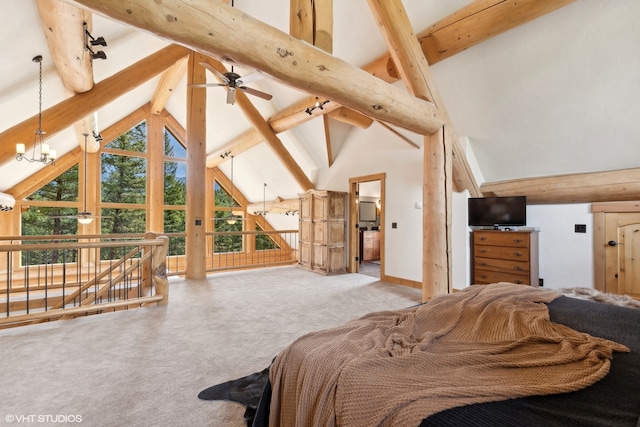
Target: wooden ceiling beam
[(66, 113), (483, 13), (618, 185), (194, 23), (312, 21), (395, 27), (168, 82), (479, 21), (64, 31)]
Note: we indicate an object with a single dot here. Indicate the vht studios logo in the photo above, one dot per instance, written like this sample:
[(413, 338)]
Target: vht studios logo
[(43, 418)]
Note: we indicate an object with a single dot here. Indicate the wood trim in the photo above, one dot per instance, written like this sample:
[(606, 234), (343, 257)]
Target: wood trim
[(399, 281), (354, 244)]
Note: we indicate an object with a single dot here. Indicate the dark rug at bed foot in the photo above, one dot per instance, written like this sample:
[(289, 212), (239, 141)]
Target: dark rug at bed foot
[(244, 390)]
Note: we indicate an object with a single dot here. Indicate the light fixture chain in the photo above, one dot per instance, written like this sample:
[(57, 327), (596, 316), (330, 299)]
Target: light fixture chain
[(40, 100)]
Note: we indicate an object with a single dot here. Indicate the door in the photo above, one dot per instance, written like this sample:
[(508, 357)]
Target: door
[(617, 247), (353, 264)]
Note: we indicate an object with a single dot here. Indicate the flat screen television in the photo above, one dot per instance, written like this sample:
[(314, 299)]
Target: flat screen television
[(497, 211)]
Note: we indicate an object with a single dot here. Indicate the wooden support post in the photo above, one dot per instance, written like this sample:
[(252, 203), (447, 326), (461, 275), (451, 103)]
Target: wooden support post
[(196, 176)]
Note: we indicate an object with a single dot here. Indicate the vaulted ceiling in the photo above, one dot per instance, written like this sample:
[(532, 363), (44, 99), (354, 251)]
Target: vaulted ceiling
[(555, 95)]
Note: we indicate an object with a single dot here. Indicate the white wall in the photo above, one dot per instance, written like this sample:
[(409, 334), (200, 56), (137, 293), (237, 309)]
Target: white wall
[(566, 257), (376, 150)]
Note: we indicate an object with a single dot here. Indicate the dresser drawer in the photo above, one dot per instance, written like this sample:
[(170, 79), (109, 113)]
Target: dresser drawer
[(484, 277), (501, 252), (501, 238), (501, 265)]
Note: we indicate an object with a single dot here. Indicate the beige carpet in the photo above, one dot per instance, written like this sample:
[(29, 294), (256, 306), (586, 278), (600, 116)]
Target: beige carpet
[(145, 367)]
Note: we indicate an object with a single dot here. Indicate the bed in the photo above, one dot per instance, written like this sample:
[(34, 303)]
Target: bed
[(492, 355)]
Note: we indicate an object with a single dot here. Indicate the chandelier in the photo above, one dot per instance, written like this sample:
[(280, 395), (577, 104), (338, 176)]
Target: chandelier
[(41, 151)]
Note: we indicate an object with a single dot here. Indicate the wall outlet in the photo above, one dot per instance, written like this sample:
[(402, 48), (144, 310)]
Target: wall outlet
[(541, 281), (394, 225)]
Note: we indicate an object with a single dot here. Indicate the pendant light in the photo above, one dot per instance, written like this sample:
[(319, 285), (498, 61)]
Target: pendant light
[(85, 217), (231, 219), (46, 155)]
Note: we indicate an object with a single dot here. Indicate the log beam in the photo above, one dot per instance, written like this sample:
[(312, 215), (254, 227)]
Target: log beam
[(168, 82), (479, 21), (64, 31), (196, 245), (279, 205), (295, 63), (394, 24), (618, 185), (312, 21)]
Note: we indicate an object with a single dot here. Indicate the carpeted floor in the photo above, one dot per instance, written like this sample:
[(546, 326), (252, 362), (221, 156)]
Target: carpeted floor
[(145, 367)]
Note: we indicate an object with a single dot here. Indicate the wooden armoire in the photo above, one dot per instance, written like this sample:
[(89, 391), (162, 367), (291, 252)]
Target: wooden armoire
[(322, 231)]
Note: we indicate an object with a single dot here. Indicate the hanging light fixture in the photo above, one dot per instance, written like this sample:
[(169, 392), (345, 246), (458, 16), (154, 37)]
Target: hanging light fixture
[(231, 219), (85, 217), (264, 211), (46, 155)]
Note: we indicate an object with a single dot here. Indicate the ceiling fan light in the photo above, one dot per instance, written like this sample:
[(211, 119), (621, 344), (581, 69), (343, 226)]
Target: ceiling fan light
[(85, 220), (231, 221)]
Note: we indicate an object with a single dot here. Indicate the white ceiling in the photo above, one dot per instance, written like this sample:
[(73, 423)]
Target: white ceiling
[(557, 95)]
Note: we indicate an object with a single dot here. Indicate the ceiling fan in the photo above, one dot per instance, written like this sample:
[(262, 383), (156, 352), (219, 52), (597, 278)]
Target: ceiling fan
[(234, 81)]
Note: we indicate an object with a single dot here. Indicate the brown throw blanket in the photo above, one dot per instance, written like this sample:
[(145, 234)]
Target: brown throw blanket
[(394, 368)]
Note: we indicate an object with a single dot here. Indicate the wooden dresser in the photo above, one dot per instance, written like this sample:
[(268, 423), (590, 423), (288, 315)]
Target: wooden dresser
[(370, 245), (504, 256), (322, 231)]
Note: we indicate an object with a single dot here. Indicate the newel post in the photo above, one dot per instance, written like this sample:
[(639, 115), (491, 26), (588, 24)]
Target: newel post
[(159, 270)]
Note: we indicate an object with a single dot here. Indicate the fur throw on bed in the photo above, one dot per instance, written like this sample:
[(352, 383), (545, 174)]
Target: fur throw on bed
[(595, 295)]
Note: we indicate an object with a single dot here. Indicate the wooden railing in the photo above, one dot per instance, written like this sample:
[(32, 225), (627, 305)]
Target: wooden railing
[(50, 277), (238, 250), (53, 280)]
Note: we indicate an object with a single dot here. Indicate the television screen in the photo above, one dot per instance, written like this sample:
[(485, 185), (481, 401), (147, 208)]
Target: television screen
[(497, 211)]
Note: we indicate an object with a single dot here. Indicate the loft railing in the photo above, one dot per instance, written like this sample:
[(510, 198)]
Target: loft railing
[(42, 275), (43, 278), (237, 250)]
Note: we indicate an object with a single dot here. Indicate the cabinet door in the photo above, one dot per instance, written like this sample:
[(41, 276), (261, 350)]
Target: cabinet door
[(305, 208), (319, 208)]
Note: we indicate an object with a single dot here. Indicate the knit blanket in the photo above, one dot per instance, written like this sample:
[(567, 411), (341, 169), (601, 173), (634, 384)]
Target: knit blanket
[(394, 368)]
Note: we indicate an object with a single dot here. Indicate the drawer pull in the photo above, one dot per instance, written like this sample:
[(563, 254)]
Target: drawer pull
[(483, 251), (484, 276), (517, 254), (517, 240), (483, 264), (483, 238), (517, 268), (518, 282)]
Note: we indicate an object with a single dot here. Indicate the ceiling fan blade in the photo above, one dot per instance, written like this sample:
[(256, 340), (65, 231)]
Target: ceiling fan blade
[(250, 78), (231, 96), (207, 85), (216, 73), (257, 93)]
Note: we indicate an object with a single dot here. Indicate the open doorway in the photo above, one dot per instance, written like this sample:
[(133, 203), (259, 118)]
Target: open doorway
[(366, 225)]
